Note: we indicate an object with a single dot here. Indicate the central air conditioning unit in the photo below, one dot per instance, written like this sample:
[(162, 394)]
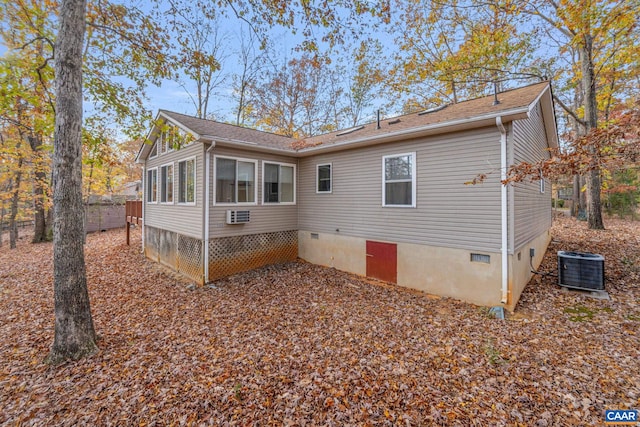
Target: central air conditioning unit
[(580, 270), (238, 217)]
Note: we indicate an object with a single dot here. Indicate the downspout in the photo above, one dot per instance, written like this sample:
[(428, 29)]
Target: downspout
[(205, 239), (144, 201), (503, 210)]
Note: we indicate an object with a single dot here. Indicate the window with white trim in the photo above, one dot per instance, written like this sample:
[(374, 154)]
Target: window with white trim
[(542, 182), (154, 150), (279, 182), (235, 180), (166, 183), (324, 178), (187, 181), (399, 180), (152, 185), (161, 143)]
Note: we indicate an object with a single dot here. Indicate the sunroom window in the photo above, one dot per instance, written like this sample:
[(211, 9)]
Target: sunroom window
[(152, 185), (187, 181), (166, 184), (235, 180), (279, 183)]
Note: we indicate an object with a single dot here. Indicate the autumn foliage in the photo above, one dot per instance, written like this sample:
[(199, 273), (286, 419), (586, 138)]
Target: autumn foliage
[(613, 147)]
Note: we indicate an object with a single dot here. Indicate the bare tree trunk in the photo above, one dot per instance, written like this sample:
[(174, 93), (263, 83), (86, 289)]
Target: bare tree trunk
[(594, 206), (583, 194), (13, 213), (576, 196), (39, 192), (75, 336), (48, 225), (1, 221)]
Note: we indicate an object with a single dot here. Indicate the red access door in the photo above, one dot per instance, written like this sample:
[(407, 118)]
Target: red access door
[(382, 261)]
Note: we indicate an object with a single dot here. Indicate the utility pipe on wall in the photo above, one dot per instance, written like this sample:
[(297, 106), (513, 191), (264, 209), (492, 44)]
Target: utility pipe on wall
[(503, 211), (144, 201)]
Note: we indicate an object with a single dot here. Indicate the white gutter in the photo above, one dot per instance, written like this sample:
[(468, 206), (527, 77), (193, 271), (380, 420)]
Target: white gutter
[(503, 210), (207, 163), (144, 199)]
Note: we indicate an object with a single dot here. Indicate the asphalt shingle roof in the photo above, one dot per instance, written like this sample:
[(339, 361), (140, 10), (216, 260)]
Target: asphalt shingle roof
[(509, 100), (231, 132)]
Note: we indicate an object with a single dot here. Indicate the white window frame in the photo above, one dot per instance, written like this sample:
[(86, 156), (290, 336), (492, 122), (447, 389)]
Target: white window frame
[(148, 187), (256, 184), (173, 183), (169, 147), (318, 191), (542, 183), (161, 144), (295, 178), (195, 181), (175, 133), (413, 180), (155, 145)]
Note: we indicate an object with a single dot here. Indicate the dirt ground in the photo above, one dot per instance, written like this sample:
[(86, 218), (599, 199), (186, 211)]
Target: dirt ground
[(299, 344)]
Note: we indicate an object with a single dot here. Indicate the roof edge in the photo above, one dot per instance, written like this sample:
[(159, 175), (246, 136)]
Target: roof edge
[(160, 115), (458, 124)]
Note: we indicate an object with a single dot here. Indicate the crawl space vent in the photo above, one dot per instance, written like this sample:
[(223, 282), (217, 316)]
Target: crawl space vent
[(480, 258)]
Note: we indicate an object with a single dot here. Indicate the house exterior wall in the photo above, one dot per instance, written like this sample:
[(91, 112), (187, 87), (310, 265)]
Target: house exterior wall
[(271, 235), (265, 218), (520, 266), (432, 269), (448, 213), (532, 209), (181, 253), (184, 219), (436, 238)]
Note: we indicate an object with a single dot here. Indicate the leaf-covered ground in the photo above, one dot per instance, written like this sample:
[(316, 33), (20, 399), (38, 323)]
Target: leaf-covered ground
[(305, 345)]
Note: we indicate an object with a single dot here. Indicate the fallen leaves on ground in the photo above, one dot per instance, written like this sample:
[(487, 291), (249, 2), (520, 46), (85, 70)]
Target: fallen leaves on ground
[(300, 344)]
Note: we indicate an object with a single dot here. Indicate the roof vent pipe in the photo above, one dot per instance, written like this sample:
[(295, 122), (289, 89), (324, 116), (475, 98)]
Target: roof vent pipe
[(495, 93), (378, 119)]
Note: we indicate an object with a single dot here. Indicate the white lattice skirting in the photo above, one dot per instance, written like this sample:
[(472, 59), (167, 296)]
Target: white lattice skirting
[(227, 255), (230, 255)]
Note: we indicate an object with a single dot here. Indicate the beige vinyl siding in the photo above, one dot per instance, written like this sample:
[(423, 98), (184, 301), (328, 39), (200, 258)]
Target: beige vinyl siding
[(448, 213), (264, 218), (183, 219), (531, 209)]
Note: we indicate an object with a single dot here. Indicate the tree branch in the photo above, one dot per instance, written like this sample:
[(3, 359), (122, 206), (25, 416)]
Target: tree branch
[(15, 122), (569, 111), (46, 39)]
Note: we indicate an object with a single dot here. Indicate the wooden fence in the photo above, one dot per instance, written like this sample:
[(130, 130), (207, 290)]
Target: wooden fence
[(133, 214), (21, 224)]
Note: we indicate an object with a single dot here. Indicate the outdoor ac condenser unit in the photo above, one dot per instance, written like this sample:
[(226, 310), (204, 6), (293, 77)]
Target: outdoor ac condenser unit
[(238, 217), (580, 270)]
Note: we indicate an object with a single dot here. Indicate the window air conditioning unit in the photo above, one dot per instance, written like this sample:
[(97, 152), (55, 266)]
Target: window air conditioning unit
[(580, 270), (238, 217)]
